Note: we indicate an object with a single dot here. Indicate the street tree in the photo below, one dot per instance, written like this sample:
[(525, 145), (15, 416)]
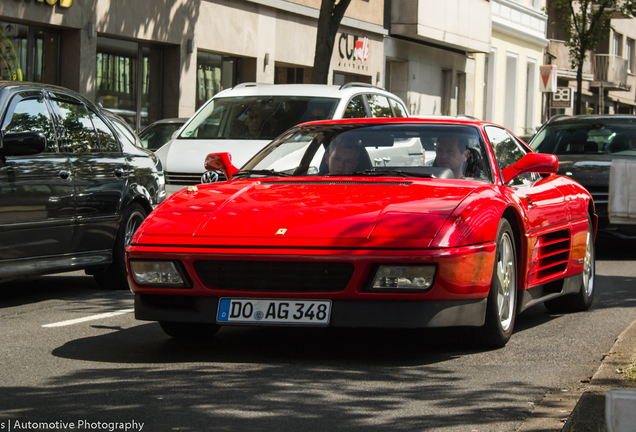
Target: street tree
[(584, 23), (331, 14)]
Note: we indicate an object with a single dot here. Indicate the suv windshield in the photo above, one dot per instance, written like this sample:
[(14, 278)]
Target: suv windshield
[(372, 150), (602, 136), (256, 117)]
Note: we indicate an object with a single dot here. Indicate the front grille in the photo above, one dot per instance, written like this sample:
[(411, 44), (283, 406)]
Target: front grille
[(186, 179), (600, 194), (550, 256), (274, 276)]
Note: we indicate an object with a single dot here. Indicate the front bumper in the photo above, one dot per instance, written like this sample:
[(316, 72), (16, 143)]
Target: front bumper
[(344, 313)]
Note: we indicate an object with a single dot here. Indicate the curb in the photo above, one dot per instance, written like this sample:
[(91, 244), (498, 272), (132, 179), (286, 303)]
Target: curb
[(583, 409)]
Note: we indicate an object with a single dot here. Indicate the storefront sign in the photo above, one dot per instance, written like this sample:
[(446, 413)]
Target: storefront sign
[(562, 98), (353, 51), (63, 3)]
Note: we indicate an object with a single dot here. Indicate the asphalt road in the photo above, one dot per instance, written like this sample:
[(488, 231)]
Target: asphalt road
[(74, 357)]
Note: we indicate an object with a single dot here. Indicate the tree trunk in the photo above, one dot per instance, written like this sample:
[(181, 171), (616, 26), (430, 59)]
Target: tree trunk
[(578, 101), (331, 15)]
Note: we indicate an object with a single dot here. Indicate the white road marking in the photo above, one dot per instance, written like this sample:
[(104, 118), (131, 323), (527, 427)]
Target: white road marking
[(89, 318)]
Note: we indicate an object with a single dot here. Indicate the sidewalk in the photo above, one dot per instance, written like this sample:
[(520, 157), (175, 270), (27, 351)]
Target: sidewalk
[(583, 410)]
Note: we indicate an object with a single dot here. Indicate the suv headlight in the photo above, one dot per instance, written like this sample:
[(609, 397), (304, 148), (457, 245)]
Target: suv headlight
[(404, 277), (157, 273)]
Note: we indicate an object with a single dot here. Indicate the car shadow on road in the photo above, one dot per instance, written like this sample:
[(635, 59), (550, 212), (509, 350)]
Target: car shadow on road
[(286, 379), (38, 289)]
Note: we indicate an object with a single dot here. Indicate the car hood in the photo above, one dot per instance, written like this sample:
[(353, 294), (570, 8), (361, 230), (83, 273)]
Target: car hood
[(188, 155), (588, 170), (319, 208)]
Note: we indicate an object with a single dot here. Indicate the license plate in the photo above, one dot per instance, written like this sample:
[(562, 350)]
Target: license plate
[(283, 312)]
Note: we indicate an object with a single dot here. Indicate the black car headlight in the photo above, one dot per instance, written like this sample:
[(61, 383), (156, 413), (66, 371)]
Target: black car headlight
[(404, 277), (158, 273)]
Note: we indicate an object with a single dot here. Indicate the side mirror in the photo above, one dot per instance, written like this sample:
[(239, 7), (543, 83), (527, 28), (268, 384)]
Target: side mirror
[(22, 144), (532, 162), (220, 162)]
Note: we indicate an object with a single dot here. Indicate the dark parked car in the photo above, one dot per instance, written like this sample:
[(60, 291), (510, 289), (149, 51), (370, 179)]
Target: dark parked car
[(73, 186), (160, 132), (586, 146)]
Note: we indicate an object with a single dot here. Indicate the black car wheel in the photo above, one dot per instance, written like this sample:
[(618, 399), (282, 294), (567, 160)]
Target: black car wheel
[(582, 300), (114, 276), (181, 330), (502, 297)]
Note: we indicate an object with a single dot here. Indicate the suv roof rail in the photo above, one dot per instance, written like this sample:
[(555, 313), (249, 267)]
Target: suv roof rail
[(359, 84)]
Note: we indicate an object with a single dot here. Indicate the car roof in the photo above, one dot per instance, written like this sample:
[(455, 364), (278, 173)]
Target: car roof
[(312, 90), (593, 118)]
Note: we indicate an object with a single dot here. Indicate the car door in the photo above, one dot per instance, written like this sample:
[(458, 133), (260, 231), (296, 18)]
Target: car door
[(540, 198), (99, 168), (37, 208)]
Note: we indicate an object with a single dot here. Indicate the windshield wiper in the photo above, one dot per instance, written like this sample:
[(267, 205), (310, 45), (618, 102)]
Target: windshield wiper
[(264, 172), (390, 173)]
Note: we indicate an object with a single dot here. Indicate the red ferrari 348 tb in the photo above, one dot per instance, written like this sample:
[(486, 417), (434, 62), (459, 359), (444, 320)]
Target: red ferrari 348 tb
[(396, 223)]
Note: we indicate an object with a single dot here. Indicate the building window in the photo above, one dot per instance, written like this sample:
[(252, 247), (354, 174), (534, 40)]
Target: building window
[(630, 46), (29, 54), (617, 45), (214, 73), (129, 80)]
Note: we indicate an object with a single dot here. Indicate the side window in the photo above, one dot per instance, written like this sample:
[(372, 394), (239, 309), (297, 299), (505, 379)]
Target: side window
[(77, 132), (107, 141), (379, 106), (28, 113), (399, 110), (124, 133), (356, 108), (508, 151)]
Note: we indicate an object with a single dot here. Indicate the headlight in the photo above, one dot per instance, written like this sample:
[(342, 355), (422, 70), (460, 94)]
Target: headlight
[(157, 273), (403, 277)]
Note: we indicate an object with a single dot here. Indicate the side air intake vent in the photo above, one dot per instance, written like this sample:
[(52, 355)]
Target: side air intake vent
[(550, 255)]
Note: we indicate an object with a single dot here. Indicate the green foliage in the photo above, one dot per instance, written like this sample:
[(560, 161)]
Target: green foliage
[(585, 21)]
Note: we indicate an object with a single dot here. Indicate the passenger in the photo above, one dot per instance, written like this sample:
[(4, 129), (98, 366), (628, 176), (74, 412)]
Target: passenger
[(343, 157), (452, 152)]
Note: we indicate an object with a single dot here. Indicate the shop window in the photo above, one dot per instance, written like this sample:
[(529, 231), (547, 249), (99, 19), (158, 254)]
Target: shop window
[(214, 73), (291, 75), (341, 78), (29, 54), (129, 80)]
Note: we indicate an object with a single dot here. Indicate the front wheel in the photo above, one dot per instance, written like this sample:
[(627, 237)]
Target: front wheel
[(582, 300), (114, 276), (186, 330), (502, 297)]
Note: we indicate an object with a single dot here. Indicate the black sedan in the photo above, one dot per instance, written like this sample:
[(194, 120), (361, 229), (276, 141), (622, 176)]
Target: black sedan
[(73, 186), (586, 146)]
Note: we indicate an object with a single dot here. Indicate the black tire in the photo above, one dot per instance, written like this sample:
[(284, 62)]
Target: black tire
[(114, 276), (582, 300), (502, 297), (186, 330)]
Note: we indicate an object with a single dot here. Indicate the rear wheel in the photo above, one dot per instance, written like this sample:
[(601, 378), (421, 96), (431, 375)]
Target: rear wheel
[(181, 330), (114, 276), (502, 297), (582, 300)]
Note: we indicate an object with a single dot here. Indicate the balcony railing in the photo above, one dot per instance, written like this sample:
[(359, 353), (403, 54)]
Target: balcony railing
[(610, 70)]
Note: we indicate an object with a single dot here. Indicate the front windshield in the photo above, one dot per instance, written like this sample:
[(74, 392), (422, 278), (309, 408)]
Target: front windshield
[(256, 117), (594, 137), (387, 149)]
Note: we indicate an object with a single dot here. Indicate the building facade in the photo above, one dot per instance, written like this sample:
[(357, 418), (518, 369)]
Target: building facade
[(430, 53), (507, 77), (154, 59)]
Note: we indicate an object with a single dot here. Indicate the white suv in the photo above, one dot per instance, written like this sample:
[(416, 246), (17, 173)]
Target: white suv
[(241, 120)]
